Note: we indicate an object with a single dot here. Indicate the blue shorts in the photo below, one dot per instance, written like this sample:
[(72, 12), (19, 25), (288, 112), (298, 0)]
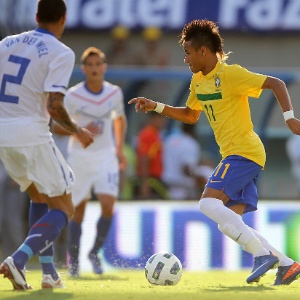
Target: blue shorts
[(236, 176)]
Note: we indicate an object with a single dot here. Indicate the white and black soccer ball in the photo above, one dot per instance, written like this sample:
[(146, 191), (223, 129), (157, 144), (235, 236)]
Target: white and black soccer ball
[(163, 269)]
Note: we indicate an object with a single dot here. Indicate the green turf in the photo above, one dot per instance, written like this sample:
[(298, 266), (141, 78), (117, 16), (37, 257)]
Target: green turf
[(132, 285)]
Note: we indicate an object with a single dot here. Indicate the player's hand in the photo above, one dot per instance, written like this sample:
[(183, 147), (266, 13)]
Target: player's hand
[(143, 104), (122, 160), (294, 125), (84, 137), (93, 128)]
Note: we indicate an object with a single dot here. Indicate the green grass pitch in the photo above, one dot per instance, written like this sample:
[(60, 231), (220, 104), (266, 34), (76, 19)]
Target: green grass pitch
[(132, 285)]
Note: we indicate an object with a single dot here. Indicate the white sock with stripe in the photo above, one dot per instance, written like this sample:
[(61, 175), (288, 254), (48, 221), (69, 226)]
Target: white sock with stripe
[(232, 225)]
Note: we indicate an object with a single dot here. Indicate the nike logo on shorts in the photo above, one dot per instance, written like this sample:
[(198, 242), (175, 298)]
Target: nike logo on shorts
[(214, 181)]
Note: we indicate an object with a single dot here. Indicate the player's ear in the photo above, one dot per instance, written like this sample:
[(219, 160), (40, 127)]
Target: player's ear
[(37, 18), (202, 50), (64, 19)]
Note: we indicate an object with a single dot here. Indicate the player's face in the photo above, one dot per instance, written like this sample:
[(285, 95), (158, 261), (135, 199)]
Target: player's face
[(94, 68), (193, 57)]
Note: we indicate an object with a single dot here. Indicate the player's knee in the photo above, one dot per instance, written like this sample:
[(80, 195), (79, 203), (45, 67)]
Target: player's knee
[(70, 211), (107, 203), (107, 212), (208, 205)]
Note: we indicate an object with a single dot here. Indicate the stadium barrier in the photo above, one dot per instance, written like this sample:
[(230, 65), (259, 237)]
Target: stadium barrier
[(142, 228)]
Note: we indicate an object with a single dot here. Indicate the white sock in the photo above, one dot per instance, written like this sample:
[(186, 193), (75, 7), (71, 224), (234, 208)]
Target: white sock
[(232, 225), (283, 259)]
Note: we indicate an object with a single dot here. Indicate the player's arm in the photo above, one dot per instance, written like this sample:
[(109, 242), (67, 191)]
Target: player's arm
[(59, 114), (120, 128), (55, 128), (281, 93), (183, 114)]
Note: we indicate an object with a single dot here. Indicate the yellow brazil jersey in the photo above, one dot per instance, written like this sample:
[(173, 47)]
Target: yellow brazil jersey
[(223, 96)]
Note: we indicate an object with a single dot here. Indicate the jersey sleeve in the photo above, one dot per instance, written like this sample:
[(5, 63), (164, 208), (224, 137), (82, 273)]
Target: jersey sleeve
[(192, 101), (60, 70), (119, 104), (244, 82), (69, 104)]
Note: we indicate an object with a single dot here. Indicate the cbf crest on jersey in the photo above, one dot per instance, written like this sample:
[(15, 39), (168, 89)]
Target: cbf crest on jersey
[(217, 81)]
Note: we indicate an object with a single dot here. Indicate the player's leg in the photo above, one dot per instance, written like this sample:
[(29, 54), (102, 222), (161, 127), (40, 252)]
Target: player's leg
[(106, 188), (229, 182), (38, 208), (82, 167), (53, 177), (103, 225), (40, 238), (74, 234), (230, 222)]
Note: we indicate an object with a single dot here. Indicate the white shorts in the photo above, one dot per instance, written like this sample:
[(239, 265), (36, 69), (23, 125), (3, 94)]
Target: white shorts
[(99, 172), (42, 165)]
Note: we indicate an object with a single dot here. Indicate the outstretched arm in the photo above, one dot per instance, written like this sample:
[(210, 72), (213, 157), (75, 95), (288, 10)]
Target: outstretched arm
[(281, 93), (183, 114)]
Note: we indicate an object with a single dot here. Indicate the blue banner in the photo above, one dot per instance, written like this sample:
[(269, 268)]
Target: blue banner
[(233, 15), (143, 228)]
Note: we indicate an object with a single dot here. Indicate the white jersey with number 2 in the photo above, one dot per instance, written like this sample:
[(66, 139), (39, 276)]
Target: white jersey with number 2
[(32, 64)]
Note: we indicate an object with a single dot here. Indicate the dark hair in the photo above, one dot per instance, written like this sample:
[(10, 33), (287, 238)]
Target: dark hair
[(204, 33), (51, 11)]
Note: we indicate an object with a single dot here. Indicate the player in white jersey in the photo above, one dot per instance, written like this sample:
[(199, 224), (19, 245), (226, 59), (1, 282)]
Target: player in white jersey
[(97, 105), (35, 69), (177, 172)]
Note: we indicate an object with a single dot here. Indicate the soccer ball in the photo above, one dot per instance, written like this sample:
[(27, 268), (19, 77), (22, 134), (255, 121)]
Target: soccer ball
[(163, 269)]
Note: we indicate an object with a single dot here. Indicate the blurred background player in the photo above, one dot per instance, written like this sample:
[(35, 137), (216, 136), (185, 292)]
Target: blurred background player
[(149, 159), (181, 153), (152, 53), (202, 171), (35, 90), (222, 92), (97, 105), (120, 52)]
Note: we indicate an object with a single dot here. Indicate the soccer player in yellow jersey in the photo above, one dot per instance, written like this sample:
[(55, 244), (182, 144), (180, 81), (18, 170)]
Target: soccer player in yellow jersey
[(221, 91)]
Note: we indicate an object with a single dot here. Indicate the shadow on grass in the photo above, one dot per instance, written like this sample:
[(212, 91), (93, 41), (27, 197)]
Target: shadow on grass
[(46, 294), (254, 288), (98, 278)]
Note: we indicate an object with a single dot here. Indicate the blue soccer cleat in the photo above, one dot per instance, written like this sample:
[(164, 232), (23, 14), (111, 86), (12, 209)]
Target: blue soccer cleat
[(262, 264), (96, 263), (286, 275)]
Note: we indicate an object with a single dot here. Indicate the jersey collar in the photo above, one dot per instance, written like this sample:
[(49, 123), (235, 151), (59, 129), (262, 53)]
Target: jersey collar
[(42, 30), (214, 70)]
